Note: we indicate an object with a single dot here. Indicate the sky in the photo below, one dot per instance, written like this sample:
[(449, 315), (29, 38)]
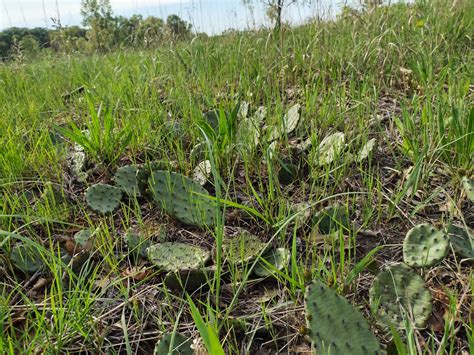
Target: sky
[(211, 16)]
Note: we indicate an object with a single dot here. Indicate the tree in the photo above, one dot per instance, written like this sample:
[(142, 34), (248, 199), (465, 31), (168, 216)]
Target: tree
[(275, 8), (98, 16), (179, 28)]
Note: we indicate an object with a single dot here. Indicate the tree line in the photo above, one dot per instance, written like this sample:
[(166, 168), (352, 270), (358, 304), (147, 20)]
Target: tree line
[(102, 31)]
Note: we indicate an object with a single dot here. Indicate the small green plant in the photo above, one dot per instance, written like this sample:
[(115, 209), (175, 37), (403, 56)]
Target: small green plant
[(101, 139)]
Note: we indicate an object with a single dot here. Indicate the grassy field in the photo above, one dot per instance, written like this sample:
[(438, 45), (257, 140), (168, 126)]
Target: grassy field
[(398, 76)]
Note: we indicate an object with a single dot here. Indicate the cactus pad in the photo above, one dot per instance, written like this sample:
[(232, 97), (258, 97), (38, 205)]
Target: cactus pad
[(330, 148), (335, 326), (330, 219), (174, 344), (202, 172), (279, 258), (468, 186), (181, 197), (103, 198), (189, 280), (288, 173), (398, 293), (26, 258), (365, 151), (242, 248), (462, 241), (126, 178), (171, 256), (424, 245)]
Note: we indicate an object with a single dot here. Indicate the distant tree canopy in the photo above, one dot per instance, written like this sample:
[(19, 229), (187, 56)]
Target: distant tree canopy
[(102, 32), (275, 8)]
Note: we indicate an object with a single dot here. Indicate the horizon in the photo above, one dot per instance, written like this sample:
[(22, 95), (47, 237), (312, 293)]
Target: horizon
[(209, 16)]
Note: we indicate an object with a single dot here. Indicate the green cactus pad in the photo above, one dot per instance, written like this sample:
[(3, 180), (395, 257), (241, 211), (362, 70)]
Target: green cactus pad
[(144, 172), (398, 293), (462, 241), (174, 345), (366, 150), (424, 245), (26, 258), (279, 258), (181, 197), (103, 198), (173, 256), (331, 219), (189, 280), (468, 186), (242, 248), (126, 178), (330, 148), (288, 173), (292, 118), (335, 326)]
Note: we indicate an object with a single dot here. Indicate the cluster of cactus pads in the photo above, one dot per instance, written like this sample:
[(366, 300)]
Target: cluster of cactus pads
[(179, 196), (398, 293)]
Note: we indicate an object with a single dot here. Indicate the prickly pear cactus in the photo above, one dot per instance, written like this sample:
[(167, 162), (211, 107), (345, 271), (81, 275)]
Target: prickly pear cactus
[(181, 197), (144, 172), (126, 178), (288, 173), (173, 256), (26, 258), (243, 247), (202, 172), (331, 219), (103, 198), (335, 326), (330, 148), (292, 118), (424, 245), (397, 294), (279, 259), (468, 186), (189, 280), (462, 241), (366, 150), (174, 344)]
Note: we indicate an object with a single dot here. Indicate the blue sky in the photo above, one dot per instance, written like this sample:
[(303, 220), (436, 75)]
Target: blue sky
[(211, 16)]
